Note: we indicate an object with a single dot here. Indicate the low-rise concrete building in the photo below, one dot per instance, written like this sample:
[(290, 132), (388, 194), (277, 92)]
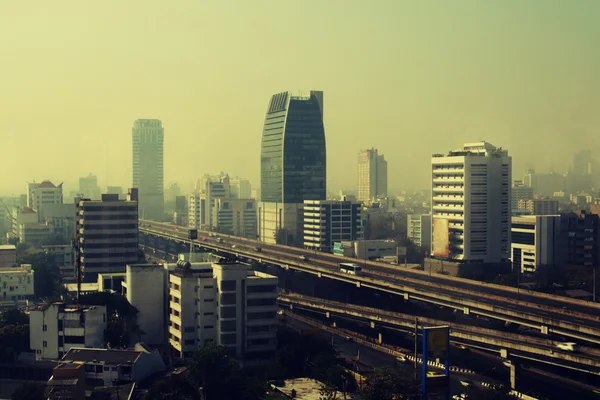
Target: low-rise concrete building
[(330, 221), (56, 328), (104, 367), (16, 286), (419, 229), (535, 242), (224, 303), (367, 249), (8, 255)]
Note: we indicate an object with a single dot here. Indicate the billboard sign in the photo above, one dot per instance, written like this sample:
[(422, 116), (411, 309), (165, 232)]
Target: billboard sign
[(441, 238), (436, 342)]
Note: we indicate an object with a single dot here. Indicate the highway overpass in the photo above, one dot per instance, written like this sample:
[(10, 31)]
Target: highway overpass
[(508, 345), (563, 316)]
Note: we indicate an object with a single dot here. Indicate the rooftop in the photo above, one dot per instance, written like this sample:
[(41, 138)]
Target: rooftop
[(8, 247), (105, 356), (306, 389)]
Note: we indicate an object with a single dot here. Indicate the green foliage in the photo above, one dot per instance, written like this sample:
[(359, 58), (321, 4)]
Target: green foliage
[(172, 387), (390, 383), (13, 317), (54, 240), (221, 377), (46, 279), (122, 317), (301, 355), (383, 226), (29, 391), (14, 339)]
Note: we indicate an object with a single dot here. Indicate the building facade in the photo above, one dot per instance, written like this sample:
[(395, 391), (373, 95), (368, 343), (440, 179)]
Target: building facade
[(88, 187), (520, 192), (536, 241), (222, 303), (56, 328), (235, 217), (330, 221), (240, 188), (293, 158), (581, 231), (148, 137), (470, 205), (16, 285), (372, 176), (418, 228), (42, 194), (106, 234), (540, 206)]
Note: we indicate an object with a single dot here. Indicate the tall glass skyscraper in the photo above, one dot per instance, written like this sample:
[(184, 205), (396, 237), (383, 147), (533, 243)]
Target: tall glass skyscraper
[(148, 135), (293, 154), (293, 164)]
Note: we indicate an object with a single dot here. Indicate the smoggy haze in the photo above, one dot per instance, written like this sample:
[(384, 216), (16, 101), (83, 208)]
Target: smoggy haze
[(411, 78)]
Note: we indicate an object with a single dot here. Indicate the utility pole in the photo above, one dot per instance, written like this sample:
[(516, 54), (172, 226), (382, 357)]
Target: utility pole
[(416, 344)]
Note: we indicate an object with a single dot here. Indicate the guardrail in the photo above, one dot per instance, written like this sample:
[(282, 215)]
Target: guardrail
[(502, 340)]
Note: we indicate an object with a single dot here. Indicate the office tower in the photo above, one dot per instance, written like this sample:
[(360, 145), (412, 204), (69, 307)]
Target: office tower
[(330, 221), (520, 191), (540, 206), (535, 241), (39, 195), (223, 303), (235, 217), (293, 163), (418, 228), (582, 162), (106, 234), (148, 135), (88, 187), (180, 216), (201, 202), (372, 175), (470, 204), (240, 188), (530, 179), (581, 231)]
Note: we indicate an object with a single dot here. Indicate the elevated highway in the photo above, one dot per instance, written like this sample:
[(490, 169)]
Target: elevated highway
[(563, 316), (508, 345)]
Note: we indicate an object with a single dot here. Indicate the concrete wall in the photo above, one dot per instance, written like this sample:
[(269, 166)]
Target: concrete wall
[(145, 292)]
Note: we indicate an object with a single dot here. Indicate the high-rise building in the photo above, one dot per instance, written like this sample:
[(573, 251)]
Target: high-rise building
[(539, 206), (293, 163), (88, 187), (582, 162), (235, 217), (39, 195), (581, 231), (470, 205), (372, 175), (535, 241), (418, 229), (520, 191), (240, 188), (224, 303), (330, 221), (148, 136), (202, 202), (106, 234)]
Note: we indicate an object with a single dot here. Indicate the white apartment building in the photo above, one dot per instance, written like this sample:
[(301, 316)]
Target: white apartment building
[(520, 192), (535, 242), (235, 217), (107, 234), (56, 328), (16, 285), (419, 229), (18, 217), (34, 233), (224, 303), (372, 175), (41, 194), (144, 288), (330, 221), (470, 205)]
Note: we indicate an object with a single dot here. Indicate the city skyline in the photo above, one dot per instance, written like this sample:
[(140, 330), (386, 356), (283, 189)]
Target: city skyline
[(392, 72)]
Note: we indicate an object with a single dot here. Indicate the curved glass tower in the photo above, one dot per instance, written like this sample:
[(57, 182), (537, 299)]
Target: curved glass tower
[(293, 154)]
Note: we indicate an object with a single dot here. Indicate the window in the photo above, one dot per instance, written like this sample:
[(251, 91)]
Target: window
[(227, 286), (209, 313), (228, 312), (189, 329), (45, 344), (261, 289), (208, 327), (229, 338), (228, 299), (60, 324), (61, 341), (261, 315), (261, 302), (189, 342), (44, 327), (209, 300), (208, 287), (228, 326)]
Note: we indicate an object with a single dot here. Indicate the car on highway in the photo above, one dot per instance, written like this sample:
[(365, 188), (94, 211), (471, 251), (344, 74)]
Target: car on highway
[(204, 239), (258, 249), (233, 247), (303, 258), (466, 383), (568, 346), (219, 240)]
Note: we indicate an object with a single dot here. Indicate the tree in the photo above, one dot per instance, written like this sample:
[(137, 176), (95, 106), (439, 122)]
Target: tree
[(14, 339), (173, 387), (29, 391), (389, 383), (13, 317), (47, 281), (212, 369), (54, 240), (122, 317)]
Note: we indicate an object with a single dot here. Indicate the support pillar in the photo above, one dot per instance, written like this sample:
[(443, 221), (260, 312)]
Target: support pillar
[(513, 376), (379, 338)]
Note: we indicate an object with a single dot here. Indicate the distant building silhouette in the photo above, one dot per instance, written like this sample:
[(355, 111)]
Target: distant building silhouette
[(148, 135)]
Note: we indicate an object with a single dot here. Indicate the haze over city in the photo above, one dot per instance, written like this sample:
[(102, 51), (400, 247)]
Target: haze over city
[(409, 78)]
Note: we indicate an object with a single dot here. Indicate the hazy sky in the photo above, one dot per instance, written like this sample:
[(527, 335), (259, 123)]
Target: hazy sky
[(411, 78)]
